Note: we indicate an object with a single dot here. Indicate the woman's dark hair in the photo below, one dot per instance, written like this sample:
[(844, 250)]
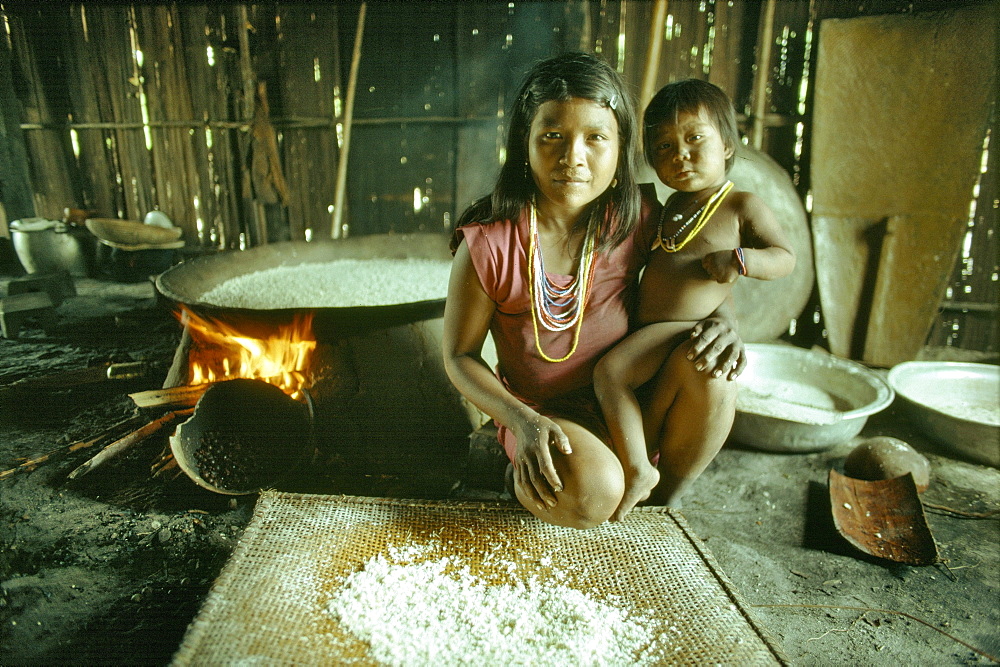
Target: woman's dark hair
[(564, 77), (688, 97)]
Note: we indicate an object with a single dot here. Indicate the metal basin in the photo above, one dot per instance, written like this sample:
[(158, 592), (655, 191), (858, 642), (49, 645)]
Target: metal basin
[(797, 400), (957, 404), (50, 246)]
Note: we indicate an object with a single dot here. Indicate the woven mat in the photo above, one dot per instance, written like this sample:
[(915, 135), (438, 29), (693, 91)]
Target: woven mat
[(269, 604)]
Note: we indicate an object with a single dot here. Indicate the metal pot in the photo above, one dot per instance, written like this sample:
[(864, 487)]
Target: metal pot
[(50, 246)]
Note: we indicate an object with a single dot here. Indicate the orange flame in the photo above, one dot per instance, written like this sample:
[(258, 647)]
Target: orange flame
[(219, 351)]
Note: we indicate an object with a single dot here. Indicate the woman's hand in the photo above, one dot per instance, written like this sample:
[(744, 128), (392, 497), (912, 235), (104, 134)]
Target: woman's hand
[(717, 348), (534, 471)]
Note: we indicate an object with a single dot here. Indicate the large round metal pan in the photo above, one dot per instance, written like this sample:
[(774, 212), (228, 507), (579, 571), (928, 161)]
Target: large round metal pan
[(189, 281)]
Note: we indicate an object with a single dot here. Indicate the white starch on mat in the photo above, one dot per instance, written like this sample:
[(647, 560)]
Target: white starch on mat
[(436, 612), (340, 283)]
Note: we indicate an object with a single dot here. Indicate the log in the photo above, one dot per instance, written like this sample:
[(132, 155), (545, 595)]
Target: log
[(119, 446), (765, 36), (183, 396), (256, 224), (655, 47)]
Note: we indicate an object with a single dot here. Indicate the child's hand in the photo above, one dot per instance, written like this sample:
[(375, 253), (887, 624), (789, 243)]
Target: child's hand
[(721, 265)]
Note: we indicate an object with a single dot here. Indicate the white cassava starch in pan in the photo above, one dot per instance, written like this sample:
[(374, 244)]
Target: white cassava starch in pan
[(337, 284), (412, 611)]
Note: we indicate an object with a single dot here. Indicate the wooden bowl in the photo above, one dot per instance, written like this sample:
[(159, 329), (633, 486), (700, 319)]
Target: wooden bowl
[(131, 232)]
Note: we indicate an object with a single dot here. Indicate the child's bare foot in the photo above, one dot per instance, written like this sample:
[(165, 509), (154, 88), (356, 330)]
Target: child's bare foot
[(639, 483), (670, 491)]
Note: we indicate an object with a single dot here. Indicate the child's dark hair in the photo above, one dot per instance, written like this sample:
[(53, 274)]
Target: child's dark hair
[(688, 97), (564, 77)]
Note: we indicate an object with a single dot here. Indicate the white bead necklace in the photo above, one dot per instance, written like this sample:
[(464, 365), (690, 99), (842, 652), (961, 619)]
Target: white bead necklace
[(702, 215)]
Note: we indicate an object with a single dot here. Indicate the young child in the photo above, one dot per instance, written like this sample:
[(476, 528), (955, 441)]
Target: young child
[(708, 235)]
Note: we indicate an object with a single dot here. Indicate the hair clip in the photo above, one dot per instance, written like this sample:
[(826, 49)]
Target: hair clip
[(613, 102)]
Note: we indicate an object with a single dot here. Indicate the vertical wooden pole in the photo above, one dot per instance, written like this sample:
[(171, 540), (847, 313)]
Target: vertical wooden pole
[(338, 200), (765, 36), (17, 193), (257, 229), (653, 50)]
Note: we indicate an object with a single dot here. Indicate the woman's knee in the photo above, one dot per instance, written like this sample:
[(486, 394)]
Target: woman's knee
[(592, 501), (593, 485), (579, 505)]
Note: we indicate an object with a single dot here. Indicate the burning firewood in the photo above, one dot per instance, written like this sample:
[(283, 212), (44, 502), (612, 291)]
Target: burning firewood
[(130, 440), (187, 396), (184, 396)]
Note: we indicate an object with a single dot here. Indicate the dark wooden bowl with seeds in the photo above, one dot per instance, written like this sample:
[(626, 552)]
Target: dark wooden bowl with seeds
[(244, 436)]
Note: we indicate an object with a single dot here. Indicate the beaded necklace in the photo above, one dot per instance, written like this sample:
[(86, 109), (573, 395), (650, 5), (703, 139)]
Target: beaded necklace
[(703, 215), (546, 298)]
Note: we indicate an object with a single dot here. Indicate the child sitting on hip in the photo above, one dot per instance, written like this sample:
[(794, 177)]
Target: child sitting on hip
[(709, 235)]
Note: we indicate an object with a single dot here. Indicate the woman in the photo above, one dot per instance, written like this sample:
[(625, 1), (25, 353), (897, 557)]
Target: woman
[(547, 264)]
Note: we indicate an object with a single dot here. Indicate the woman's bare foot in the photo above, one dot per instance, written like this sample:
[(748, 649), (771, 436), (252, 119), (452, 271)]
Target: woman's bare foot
[(639, 483)]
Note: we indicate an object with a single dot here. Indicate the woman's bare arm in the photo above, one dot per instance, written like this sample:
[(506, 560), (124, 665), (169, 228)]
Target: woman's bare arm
[(467, 314)]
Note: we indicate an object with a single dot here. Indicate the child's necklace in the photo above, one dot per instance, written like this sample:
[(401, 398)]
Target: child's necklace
[(546, 297), (702, 215)]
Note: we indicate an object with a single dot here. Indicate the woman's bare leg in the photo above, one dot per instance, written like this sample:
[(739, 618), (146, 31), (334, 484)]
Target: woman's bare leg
[(592, 482), (629, 365), (689, 416)]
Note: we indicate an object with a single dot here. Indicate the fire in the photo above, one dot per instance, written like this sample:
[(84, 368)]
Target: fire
[(220, 351)]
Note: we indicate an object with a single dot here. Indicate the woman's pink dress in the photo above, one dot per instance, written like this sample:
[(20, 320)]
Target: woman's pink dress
[(499, 253)]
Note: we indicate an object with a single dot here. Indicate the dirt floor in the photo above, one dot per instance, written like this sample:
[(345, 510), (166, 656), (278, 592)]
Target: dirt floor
[(110, 568)]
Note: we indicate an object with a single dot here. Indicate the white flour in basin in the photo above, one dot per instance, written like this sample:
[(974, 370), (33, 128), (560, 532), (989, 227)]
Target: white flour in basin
[(788, 400), (961, 408), (340, 283)]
